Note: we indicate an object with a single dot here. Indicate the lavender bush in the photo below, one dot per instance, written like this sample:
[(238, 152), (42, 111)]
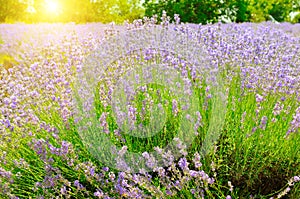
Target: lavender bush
[(51, 97)]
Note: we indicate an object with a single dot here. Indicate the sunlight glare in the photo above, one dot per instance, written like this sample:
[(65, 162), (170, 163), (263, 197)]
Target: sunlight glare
[(52, 6)]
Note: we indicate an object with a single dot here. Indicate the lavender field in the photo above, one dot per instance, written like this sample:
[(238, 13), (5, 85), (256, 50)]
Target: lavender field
[(150, 110)]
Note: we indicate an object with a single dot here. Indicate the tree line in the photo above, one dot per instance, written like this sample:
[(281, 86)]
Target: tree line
[(78, 11), (210, 11), (192, 11)]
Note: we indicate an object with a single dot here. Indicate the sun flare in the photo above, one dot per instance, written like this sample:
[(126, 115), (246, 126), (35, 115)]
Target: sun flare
[(52, 6)]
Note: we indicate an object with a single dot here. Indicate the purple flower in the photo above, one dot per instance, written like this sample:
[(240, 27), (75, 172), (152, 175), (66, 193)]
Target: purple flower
[(106, 169), (169, 192), (161, 171), (183, 163), (175, 107), (98, 193), (64, 147), (78, 185), (193, 191), (150, 160), (263, 122), (296, 178), (259, 98), (63, 190), (5, 174), (193, 173), (196, 160), (92, 171)]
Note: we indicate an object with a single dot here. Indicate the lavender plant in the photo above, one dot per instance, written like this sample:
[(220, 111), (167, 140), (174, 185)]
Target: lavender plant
[(43, 153), (146, 59)]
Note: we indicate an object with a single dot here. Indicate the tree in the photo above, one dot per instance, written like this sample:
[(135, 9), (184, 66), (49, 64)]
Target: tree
[(102, 10), (118, 10), (263, 10), (83, 11), (79, 11), (195, 11), (11, 10)]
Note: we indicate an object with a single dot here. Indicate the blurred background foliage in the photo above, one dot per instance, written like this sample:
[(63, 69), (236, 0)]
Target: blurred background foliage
[(209, 11), (192, 11)]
